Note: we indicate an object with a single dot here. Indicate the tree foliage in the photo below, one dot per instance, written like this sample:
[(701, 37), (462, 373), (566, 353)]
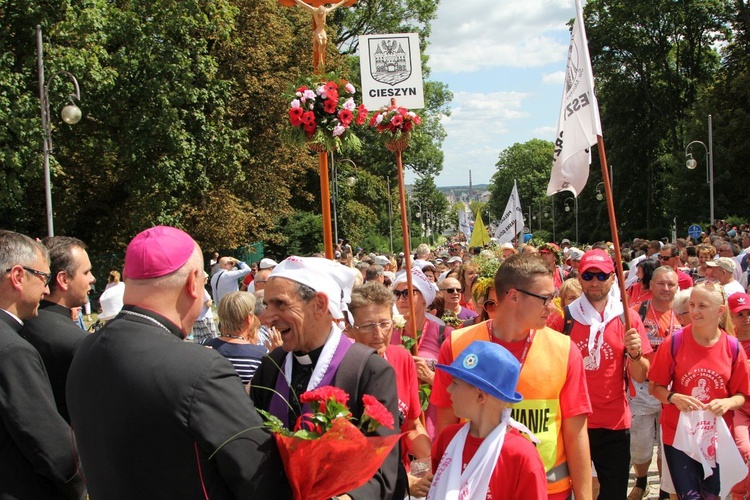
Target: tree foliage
[(182, 119)]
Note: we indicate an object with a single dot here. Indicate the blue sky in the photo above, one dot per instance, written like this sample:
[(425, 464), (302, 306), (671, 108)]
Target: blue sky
[(504, 61)]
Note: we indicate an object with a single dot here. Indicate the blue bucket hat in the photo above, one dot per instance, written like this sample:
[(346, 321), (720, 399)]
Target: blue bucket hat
[(489, 367)]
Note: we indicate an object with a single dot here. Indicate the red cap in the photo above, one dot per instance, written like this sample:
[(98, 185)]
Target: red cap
[(156, 252), (596, 259), (739, 302)]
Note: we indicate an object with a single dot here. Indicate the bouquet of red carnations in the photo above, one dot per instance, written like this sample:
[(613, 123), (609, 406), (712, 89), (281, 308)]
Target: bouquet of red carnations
[(325, 439)]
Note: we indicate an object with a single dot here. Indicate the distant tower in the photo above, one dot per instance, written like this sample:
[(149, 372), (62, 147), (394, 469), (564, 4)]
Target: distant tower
[(471, 195)]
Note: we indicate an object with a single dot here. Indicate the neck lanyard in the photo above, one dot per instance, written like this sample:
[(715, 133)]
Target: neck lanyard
[(658, 322), (526, 348)]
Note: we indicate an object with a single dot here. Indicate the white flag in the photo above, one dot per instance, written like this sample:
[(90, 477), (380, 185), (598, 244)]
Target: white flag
[(464, 222), (579, 123), (511, 223)]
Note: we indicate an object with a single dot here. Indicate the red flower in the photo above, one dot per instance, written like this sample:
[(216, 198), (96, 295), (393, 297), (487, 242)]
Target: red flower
[(417, 120), (331, 87), (396, 121), (361, 114), (329, 105), (295, 116), (310, 128), (372, 120), (408, 125), (334, 95), (345, 117), (403, 111), (374, 410), (308, 118), (302, 89), (325, 393)]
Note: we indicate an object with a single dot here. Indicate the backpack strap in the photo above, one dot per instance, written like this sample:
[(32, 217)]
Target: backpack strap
[(674, 346), (568, 326), (643, 310), (441, 334)]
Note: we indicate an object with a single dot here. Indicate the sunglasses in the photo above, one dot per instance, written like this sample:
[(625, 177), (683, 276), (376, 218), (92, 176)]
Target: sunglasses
[(588, 276), (403, 293), (544, 298), (666, 257), (453, 290)]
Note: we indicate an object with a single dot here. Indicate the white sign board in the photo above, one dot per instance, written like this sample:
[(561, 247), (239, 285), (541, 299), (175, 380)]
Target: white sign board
[(391, 68)]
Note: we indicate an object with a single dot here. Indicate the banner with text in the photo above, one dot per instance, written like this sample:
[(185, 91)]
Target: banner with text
[(578, 125), (511, 223)]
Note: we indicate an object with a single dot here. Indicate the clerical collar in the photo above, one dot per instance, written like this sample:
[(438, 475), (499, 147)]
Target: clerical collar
[(310, 358)]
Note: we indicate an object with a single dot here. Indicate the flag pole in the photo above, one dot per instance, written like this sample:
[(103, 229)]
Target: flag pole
[(407, 242), (613, 228)]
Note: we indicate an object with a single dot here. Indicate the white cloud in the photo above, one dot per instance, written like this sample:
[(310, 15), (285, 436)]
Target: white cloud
[(545, 133), (556, 78), (472, 34)]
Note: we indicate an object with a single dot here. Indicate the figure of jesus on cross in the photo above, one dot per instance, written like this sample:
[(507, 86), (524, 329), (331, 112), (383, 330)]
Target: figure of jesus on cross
[(320, 38)]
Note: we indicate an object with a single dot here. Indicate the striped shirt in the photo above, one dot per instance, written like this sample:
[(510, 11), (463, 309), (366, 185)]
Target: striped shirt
[(244, 357)]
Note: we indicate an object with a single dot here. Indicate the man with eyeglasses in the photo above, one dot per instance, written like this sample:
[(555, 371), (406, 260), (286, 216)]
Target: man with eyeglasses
[(306, 299), (555, 404), (52, 332), (669, 255), (596, 326), (37, 458)]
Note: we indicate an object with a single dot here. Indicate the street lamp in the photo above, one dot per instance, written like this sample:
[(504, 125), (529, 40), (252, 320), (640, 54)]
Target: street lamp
[(691, 163), (567, 209), (349, 181), (599, 193), (71, 114)]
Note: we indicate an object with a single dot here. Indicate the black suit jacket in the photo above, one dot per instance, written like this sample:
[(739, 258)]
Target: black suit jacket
[(56, 338), (36, 449), (148, 409), (377, 378)]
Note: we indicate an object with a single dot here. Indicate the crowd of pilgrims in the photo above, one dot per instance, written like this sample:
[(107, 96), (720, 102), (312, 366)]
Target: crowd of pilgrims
[(483, 413)]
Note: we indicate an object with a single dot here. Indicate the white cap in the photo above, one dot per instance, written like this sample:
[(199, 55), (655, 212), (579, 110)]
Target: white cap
[(382, 260), (420, 282), (267, 264), (322, 275), (455, 258), (111, 301)]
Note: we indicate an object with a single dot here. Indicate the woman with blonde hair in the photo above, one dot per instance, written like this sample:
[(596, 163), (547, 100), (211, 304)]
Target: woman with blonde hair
[(700, 367), (238, 341), (466, 274)]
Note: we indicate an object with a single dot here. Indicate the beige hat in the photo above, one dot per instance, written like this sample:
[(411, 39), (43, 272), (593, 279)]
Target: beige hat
[(725, 263)]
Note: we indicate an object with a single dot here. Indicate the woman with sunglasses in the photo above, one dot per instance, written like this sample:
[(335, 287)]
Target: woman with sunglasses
[(466, 275), (428, 331), (372, 310), (706, 370)]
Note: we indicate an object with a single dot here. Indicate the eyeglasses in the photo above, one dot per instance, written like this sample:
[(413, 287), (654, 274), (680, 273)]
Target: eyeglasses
[(403, 293), (453, 249), (588, 276), (453, 290), (45, 277), (372, 328), (666, 257), (489, 305), (544, 298)]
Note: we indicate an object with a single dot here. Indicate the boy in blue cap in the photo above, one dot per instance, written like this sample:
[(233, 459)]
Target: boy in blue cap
[(484, 458)]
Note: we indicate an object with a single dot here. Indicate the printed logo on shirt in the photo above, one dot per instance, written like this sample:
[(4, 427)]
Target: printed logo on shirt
[(606, 353), (702, 382)]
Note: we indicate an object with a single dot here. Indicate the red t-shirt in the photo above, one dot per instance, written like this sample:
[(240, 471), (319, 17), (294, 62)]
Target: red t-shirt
[(684, 281), (658, 324), (706, 373), (519, 472), (407, 388), (606, 383), (637, 294)]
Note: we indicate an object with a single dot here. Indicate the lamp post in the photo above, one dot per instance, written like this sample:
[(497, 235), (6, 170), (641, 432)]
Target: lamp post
[(567, 209), (692, 164), (71, 114), (350, 181), (599, 193)]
